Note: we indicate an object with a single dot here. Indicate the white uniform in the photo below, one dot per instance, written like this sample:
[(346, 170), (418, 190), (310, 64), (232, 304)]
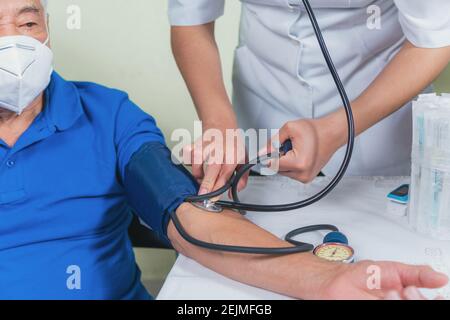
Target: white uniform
[(280, 74)]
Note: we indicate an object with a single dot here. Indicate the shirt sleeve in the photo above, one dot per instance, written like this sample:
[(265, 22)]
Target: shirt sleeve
[(134, 128), (426, 24), (194, 12)]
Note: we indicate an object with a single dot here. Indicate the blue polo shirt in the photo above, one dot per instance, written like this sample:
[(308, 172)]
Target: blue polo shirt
[(63, 212)]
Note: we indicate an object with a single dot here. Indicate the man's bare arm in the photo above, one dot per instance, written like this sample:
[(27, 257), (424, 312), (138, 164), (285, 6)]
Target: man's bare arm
[(298, 275)]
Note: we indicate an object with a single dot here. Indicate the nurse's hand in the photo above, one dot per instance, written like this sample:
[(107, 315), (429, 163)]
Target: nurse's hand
[(314, 142), (215, 160)]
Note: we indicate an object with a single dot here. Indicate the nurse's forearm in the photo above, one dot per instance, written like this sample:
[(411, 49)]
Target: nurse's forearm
[(411, 71), (197, 56), (289, 275)]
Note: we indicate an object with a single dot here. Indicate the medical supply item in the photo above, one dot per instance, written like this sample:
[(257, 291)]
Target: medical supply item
[(400, 195), (26, 66), (429, 208), (335, 252), (154, 184), (397, 204), (334, 247)]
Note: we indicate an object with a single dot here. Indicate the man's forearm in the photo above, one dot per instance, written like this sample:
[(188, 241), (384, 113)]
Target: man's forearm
[(408, 74), (198, 59), (291, 275)]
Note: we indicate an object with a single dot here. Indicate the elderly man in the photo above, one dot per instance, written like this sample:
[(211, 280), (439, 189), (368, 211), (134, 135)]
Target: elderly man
[(65, 148)]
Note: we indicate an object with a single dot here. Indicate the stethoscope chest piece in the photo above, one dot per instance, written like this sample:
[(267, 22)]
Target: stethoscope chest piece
[(208, 205)]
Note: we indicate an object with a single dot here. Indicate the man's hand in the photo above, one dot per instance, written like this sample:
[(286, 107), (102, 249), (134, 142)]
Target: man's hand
[(303, 275), (314, 142), (370, 280)]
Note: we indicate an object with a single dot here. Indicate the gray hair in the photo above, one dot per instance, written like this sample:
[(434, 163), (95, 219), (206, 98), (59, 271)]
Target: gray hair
[(44, 4)]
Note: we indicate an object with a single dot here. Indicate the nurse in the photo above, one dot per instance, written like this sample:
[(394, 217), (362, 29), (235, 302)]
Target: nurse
[(386, 52)]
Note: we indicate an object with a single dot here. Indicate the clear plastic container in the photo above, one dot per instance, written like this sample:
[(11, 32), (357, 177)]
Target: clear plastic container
[(429, 207), (430, 204)]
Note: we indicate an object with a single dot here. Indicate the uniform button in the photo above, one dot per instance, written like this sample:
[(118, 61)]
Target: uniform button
[(10, 163)]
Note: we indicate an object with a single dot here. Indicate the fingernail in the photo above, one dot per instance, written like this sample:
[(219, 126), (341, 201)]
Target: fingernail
[(202, 191), (440, 277), (393, 295), (412, 293), (443, 276)]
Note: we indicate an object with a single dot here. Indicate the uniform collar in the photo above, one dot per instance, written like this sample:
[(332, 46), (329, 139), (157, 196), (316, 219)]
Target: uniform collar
[(62, 104)]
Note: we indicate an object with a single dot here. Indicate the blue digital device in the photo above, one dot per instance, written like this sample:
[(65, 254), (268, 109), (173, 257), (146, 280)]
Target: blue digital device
[(401, 194)]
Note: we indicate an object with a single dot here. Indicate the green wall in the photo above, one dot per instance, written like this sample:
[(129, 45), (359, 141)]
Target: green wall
[(443, 83), (125, 44)]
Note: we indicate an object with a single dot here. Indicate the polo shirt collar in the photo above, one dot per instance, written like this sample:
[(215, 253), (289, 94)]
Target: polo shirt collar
[(62, 104)]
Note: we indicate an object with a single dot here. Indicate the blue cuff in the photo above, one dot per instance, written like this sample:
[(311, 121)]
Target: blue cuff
[(155, 186)]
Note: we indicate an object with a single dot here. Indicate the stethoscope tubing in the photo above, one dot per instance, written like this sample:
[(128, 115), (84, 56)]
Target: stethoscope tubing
[(243, 207)]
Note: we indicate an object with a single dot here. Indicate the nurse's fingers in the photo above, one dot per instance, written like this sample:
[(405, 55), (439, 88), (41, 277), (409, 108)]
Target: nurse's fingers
[(212, 172), (186, 154), (296, 131), (301, 176), (303, 164), (201, 155), (225, 174), (273, 145), (296, 176), (193, 155), (242, 184), (291, 162), (285, 163)]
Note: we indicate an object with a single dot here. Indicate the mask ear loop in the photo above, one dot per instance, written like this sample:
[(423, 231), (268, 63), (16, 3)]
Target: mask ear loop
[(47, 30)]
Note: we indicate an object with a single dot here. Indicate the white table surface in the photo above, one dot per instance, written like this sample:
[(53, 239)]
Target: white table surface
[(358, 207)]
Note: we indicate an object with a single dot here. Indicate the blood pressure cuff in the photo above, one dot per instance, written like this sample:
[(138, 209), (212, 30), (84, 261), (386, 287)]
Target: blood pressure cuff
[(156, 186)]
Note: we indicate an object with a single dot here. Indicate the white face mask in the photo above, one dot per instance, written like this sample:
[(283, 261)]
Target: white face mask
[(26, 66)]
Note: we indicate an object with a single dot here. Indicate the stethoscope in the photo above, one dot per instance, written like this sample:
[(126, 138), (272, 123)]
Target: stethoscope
[(333, 238)]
